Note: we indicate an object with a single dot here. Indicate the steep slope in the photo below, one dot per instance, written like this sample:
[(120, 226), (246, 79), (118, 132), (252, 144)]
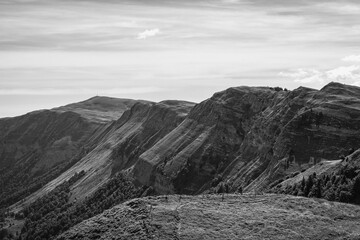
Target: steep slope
[(121, 143), (204, 144), (136, 131), (208, 217), (245, 136), (36, 147), (325, 125)]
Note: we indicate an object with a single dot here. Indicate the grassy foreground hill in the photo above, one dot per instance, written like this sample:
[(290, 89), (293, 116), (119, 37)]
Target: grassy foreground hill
[(246, 216)]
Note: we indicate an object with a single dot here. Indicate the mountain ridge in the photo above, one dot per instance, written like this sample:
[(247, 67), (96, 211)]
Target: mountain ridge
[(242, 137), (219, 137)]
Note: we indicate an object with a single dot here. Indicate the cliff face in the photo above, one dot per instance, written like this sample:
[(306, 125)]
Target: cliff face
[(315, 125), (204, 144), (244, 136)]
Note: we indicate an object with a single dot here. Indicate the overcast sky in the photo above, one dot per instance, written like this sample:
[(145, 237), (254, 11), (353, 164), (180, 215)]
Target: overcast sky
[(54, 52)]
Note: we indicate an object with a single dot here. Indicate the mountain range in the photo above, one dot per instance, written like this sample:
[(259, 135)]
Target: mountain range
[(250, 138)]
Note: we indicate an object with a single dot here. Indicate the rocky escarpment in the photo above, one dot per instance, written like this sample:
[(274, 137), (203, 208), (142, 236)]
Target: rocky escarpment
[(204, 144), (246, 135), (37, 147), (315, 125)]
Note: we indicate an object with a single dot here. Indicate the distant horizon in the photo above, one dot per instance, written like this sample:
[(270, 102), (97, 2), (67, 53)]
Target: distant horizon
[(56, 52), (139, 99)]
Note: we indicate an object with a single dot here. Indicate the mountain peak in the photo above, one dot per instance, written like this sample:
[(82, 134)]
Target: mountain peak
[(334, 84), (100, 108), (336, 88)]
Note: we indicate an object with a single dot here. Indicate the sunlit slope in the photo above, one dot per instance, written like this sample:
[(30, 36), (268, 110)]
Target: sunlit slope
[(236, 217)]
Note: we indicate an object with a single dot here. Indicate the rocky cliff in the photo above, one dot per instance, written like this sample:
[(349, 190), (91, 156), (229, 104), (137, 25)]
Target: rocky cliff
[(245, 136)]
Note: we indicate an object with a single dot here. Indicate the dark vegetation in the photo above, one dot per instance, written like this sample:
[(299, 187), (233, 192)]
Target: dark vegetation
[(342, 185), (278, 89), (53, 214), (18, 182), (310, 117)]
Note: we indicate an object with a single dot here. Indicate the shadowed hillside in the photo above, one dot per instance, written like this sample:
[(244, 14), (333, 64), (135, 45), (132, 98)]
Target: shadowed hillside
[(37, 147)]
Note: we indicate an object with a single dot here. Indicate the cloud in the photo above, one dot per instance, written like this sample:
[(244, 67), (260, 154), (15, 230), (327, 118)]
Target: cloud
[(345, 74), (148, 33), (299, 74), (352, 58)]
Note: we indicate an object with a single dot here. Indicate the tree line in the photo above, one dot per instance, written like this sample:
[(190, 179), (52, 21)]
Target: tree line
[(53, 214), (342, 185)]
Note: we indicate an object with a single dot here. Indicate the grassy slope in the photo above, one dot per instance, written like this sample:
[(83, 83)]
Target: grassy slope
[(237, 217), (324, 167), (320, 168), (100, 109)]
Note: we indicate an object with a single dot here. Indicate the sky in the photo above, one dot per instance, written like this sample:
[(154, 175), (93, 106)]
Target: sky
[(55, 52)]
